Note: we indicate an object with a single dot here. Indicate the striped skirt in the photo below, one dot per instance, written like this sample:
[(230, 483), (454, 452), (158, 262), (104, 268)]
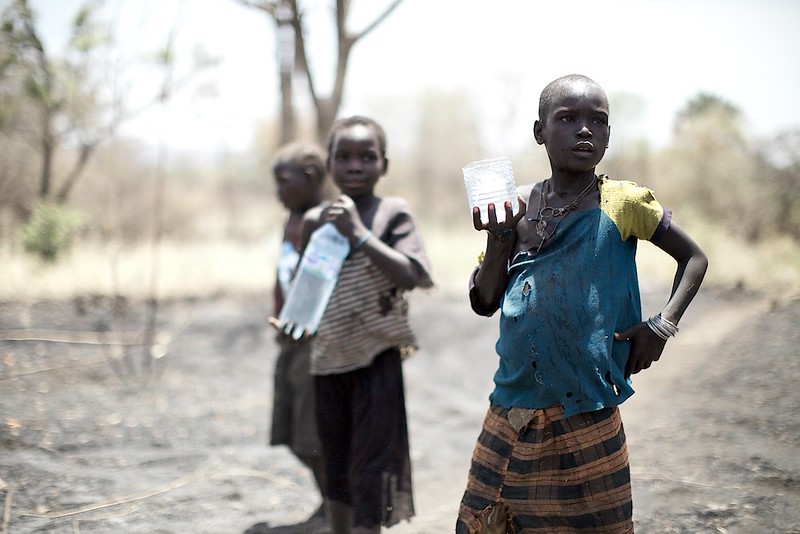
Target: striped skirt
[(548, 474)]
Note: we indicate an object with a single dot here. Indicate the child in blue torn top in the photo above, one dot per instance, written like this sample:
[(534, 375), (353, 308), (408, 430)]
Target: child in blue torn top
[(563, 304), (562, 271)]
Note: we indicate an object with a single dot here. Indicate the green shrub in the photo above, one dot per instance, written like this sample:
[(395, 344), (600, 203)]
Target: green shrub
[(50, 231)]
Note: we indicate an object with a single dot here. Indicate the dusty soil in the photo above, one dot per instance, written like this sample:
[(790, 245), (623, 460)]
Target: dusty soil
[(97, 437)]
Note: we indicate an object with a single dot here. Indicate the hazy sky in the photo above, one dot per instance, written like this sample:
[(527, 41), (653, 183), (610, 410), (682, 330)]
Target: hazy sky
[(501, 52)]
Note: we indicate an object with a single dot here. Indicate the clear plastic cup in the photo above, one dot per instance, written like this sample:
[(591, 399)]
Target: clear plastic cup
[(491, 181)]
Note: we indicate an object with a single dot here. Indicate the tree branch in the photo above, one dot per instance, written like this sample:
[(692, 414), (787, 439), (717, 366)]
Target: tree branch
[(87, 149), (266, 6), (378, 20), (300, 48)]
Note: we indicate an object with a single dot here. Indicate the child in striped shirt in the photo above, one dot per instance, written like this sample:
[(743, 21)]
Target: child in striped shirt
[(357, 351)]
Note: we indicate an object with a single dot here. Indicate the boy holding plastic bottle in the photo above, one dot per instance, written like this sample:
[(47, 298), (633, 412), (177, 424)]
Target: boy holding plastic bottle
[(552, 455), (364, 334)]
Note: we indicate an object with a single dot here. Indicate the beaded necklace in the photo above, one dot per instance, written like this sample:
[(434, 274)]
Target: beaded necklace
[(547, 212)]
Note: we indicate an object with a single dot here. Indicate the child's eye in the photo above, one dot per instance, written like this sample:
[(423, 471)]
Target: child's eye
[(566, 119), (600, 120)]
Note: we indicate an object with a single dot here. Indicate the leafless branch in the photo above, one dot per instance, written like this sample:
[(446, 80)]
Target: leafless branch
[(266, 6), (300, 48), (181, 482), (383, 16)]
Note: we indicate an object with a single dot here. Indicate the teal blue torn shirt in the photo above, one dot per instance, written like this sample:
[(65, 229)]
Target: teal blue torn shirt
[(562, 306)]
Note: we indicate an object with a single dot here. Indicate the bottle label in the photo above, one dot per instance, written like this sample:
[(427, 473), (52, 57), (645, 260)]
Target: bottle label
[(315, 279), (287, 263), (322, 265)]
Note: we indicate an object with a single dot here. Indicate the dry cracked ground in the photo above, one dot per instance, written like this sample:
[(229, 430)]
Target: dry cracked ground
[(98, 434)]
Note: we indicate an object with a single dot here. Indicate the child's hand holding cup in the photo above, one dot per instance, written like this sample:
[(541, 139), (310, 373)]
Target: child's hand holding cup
[(491, 181)]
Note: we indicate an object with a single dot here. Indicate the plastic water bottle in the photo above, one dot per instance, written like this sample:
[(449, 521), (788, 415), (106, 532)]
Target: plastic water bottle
[(491, 181), (314, 281)]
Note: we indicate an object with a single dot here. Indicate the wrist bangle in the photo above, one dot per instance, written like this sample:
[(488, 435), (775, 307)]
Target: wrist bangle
[(663, 328), (363, 240)]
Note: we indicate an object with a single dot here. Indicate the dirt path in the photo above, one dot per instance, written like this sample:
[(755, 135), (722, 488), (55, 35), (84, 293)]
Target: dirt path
[(86, 446), (714, 430)]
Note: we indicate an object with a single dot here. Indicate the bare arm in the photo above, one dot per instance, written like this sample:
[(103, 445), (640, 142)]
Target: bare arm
[(492, 275), (692, 265), (398, 267), (277, 298), (311, 221), (646, 346)]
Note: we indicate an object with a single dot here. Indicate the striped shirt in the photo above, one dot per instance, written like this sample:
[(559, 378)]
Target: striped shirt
[(367, 313)]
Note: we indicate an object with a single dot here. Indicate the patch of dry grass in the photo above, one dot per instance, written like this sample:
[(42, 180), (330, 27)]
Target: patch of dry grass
[(184, 269), (771, 265), (200, 269)]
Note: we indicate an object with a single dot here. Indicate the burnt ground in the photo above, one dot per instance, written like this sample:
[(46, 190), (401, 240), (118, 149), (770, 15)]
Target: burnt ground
[(98, 436)]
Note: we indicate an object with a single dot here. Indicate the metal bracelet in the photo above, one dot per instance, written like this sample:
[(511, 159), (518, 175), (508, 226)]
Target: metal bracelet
[(663, 328), (363, 240)]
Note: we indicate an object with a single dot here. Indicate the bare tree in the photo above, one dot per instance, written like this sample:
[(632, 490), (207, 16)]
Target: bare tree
[(71, 105), (54, 92), (293, 58)]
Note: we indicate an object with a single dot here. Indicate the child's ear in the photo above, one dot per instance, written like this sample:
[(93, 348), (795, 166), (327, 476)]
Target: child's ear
[(537, 132), (313, 174), (608, 139), (385, 165)]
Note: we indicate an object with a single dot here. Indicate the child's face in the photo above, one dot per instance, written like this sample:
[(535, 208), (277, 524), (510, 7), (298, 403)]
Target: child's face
[(297, 187), (575, 131), (356, 162)]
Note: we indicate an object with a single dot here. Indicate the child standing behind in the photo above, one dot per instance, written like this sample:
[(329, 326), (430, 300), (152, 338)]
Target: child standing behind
[(552, 456), (358, 349), (299, 171)]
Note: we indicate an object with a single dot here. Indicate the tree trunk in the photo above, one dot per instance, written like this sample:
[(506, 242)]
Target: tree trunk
[(48, 148), (66, 188), (286, 57), (288, 130)]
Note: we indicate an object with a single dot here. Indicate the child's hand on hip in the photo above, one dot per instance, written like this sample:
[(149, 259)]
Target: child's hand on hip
[(646, 347)]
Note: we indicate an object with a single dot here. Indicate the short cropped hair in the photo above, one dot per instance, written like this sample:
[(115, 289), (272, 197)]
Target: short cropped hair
[(347, 122), (556, 89), (303, 154)]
